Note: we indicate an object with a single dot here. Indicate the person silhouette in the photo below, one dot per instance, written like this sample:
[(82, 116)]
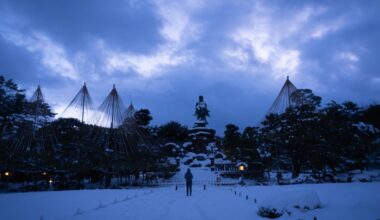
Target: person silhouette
[(189, 182)]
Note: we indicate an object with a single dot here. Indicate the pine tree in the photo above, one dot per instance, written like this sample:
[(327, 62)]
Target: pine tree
[(143, 117), (173, 132), (12, 105), (231, 141)]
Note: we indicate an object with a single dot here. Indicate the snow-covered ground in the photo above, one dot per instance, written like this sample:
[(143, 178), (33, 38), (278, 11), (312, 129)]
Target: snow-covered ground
[(337, 201)]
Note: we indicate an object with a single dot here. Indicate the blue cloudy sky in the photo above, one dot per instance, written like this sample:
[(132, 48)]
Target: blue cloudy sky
[(163, 54)]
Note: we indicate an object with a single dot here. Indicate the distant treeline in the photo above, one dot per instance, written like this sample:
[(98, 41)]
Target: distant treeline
[(324, 141)]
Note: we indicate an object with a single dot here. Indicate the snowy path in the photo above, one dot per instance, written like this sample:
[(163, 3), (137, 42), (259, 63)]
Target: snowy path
[(167, 204), (339, 201)]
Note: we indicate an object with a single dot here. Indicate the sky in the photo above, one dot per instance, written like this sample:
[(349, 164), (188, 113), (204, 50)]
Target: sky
[(162, 55)]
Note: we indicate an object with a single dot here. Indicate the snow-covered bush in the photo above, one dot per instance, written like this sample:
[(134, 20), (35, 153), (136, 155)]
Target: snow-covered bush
[(269, 212), (284, 202), (201, 157), (195, 165), (307, 201), (304, 178)]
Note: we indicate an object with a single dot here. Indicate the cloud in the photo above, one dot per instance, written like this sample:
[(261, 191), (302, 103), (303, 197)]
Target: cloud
[(178, 25), (348, 56), (348, 61), (272, 39), (178, 29), (51, 55), (145, 65), (321, 30), (262, 39), (238, 58)]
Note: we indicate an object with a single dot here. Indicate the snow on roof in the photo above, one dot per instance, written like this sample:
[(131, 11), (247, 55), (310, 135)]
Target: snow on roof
[(199, 133), (201, 128), (174, 144), (241, 163), (221, 161), (222, 154)]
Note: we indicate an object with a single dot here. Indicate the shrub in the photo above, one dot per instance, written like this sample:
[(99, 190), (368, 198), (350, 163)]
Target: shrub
[(269, 212)]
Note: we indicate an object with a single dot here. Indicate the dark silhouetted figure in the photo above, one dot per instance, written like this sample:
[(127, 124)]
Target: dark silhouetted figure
[(189, 182), (201, 111)]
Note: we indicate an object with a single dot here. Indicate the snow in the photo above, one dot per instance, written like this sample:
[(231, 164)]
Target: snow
[(206, 162), (220, 202), (220, 155), (60, 204), (241, 163), (221, 161), (201, 128), (211, 147), (190, 155), (352, 176), (199, 133), (187, 144), (172, 161), (367, 175), (203, 174), (337, 201), (286, 201), (366, 127)]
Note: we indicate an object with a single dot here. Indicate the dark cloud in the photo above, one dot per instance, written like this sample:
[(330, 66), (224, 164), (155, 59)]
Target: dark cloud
[(75, 23)]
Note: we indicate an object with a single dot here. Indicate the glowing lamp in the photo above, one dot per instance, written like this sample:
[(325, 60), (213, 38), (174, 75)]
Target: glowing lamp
[(7, 173), (241, 168), (50, 181), (44, 173)]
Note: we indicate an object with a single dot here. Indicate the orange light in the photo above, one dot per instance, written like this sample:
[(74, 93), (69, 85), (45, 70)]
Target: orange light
[(7, 173), (241, 168)]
